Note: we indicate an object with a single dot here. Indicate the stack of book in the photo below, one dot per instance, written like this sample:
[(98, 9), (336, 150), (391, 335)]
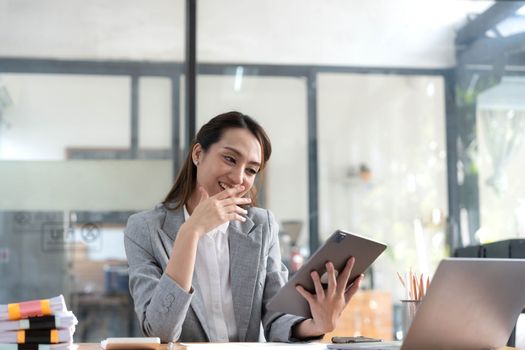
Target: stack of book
[(37, 325)]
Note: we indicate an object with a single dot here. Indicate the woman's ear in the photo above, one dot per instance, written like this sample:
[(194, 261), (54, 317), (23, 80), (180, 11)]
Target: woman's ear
[(196, 153)]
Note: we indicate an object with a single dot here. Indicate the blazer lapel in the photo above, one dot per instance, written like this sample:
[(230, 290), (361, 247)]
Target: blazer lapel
[(168, 233), (245, 249)]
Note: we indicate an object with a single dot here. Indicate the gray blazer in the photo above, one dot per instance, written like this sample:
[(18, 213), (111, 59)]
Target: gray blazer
[(167, 311)]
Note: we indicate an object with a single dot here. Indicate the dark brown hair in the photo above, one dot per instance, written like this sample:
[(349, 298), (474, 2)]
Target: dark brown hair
[(210, 133)]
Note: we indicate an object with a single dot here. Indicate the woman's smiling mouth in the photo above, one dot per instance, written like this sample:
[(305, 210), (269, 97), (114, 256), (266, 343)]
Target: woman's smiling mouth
[(224, 186)]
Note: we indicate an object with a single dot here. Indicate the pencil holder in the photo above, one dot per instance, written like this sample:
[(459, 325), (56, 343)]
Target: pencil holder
[(409, 308)]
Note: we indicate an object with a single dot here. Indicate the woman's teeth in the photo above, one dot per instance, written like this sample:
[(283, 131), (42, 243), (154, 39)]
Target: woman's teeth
[(224, 186)]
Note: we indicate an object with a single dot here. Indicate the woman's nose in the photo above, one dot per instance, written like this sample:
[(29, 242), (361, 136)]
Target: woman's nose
[(236, 176)]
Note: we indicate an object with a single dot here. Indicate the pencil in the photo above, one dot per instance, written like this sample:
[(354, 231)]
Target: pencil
[(421, 286), (401, 280)]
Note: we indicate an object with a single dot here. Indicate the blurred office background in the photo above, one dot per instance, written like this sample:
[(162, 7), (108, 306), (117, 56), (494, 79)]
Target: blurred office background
[(399, 120)]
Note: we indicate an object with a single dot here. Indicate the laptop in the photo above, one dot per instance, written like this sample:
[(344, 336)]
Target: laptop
[(471, 304)]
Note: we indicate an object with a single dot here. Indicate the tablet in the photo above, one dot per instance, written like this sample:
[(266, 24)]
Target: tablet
[(338, 248)]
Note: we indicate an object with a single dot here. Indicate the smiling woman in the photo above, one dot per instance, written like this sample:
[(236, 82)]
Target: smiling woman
[(226, 136), (204, 263)]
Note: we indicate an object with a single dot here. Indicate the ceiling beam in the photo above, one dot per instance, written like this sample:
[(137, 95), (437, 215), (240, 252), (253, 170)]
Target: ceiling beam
[(490, 49), (476, 28)]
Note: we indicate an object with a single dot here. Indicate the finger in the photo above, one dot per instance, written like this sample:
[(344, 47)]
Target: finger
[(319, 291), (306, 294), (332, 283), (204, 194), (235, 217), (343, 278), (236, 200), (235, 209), (230, 192), (353, 288)]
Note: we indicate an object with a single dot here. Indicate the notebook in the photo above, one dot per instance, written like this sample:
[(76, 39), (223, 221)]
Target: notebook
[(124, 343), (59, 320), (471, 304)]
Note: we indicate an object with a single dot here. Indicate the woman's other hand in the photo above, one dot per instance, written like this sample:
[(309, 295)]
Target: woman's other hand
[(213, 211), (326, 305)]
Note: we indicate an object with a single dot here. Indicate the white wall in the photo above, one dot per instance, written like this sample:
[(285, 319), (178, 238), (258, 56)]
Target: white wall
[(99, 29), (408, 33)]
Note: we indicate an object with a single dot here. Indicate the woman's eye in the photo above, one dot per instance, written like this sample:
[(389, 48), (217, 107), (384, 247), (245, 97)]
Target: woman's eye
[(251, 171), (229, 159)]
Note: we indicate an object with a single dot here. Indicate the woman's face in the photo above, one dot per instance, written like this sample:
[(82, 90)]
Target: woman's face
[(234, 160)]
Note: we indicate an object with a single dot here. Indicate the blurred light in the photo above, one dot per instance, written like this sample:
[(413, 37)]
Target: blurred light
[(461, 172), (482, 235), (421, 249), (520, 217), (431, 161), (438, 240), (237, 84), (411, 183), (436, 216), (511, 25), (431, 89), (399, 335), (394, 167), (521, 11)]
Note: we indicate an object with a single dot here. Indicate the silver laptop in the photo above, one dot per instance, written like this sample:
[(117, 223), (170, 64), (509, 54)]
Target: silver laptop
[(472, 304)]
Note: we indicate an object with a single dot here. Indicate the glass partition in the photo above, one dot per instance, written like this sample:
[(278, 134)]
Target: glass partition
[(382, 167), (155, 115), (500, 121), (87, 113), (50, 114)]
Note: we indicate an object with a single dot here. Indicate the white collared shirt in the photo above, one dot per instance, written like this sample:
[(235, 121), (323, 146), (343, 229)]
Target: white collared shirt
[(212, 270)]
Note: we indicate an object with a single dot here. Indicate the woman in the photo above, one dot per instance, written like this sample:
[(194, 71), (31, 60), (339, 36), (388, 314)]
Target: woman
[(205, 262)]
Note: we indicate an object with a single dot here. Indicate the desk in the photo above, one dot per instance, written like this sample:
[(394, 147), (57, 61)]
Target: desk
[(96, 346), (226, 346)]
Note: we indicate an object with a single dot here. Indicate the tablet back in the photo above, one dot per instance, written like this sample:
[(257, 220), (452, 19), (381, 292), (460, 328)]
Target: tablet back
[(338, 248)]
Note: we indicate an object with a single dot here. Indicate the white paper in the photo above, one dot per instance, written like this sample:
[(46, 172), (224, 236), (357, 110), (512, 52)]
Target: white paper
[(130, 343)]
